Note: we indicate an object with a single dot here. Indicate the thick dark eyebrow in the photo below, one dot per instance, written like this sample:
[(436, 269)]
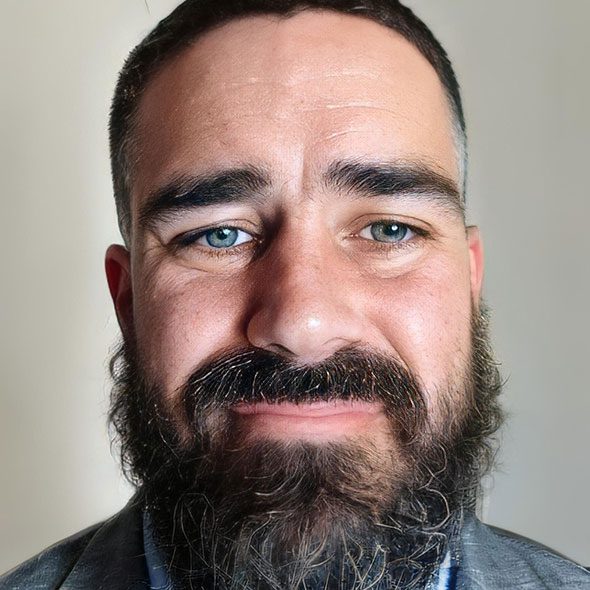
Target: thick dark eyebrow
[(414, 180), (192, 192)]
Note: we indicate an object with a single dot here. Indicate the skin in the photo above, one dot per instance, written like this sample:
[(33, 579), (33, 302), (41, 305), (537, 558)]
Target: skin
[(293, 96)]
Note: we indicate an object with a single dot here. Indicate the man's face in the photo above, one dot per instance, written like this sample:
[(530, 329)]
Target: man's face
[(330, 248), (304, 363)]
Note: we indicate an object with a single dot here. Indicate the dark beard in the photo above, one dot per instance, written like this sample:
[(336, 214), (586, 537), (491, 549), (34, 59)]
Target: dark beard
[(236, 514)]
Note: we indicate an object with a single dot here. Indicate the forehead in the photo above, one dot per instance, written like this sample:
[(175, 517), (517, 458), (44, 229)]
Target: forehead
[(292, 95)]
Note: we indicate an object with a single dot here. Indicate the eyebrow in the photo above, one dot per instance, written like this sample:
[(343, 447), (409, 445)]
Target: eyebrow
[(415, 180), (247, 184), (193, 192)]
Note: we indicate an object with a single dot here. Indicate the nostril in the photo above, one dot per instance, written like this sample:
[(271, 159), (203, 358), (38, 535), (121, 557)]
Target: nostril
[(280, 349)]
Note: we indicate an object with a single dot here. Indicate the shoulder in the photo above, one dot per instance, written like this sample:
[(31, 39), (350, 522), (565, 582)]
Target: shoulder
[(49, 568), (495, 559), (106, 555)]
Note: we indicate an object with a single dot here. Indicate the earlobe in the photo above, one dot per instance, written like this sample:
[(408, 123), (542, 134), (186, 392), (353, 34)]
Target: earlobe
[(476, 262), (118, 271)]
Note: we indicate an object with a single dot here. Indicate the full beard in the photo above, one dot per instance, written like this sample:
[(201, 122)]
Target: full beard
[(232, 511)]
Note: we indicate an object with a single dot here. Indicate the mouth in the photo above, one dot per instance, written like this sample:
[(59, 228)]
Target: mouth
[(313, 421)]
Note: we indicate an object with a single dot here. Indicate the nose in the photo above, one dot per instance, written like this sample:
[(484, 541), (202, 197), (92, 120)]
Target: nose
[(304, 306)]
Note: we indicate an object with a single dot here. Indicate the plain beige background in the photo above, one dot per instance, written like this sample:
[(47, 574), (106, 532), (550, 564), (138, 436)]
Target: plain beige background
[(523, 65)]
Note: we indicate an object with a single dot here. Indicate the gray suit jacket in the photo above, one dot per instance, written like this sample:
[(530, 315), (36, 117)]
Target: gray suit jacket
[(109, 556)]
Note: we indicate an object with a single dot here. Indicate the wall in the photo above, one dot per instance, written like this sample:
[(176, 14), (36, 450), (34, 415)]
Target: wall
[(522, 64)]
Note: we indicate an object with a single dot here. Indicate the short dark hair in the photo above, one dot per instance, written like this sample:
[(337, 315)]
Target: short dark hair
[(192, 18)]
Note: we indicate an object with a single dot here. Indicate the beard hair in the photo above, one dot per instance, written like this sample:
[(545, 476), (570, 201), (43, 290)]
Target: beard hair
[(234, 513)]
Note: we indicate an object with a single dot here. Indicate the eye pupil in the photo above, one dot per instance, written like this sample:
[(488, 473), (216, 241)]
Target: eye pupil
[(388, 232), (222, 237)]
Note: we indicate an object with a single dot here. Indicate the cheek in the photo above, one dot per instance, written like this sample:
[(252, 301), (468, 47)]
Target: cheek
[(426, 319), (183, 320)]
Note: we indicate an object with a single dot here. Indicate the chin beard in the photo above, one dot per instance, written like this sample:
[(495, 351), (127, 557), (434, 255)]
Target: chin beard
[(232, 512)]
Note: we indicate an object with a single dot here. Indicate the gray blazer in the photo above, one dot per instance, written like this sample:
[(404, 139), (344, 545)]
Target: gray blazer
[(109, 556)]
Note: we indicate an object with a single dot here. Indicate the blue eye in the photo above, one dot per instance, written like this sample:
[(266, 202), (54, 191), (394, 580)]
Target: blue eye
[(224, 237), (387, 231), (221, 237), (218, 238)]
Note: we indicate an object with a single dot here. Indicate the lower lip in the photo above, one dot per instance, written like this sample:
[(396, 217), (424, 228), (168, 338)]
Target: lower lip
[(317, 420)]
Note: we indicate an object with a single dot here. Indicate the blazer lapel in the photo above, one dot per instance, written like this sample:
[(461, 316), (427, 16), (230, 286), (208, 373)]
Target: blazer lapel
[(114, 559)]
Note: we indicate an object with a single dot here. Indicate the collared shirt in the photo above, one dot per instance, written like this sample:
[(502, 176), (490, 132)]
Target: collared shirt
[(160, 580)]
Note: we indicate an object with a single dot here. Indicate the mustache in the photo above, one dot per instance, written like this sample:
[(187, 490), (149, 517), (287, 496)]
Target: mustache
[(350, 374)]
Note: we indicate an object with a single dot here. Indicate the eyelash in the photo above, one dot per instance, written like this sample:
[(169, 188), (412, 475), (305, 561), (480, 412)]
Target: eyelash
[(189, 239)]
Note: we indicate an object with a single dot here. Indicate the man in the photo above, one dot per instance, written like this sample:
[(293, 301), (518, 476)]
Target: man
[(305, 394)]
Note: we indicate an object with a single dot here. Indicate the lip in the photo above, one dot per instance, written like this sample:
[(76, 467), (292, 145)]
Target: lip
[(308, 410)]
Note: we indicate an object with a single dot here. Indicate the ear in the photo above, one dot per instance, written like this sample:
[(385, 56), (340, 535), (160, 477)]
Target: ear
[(475, 262), (118, 271)]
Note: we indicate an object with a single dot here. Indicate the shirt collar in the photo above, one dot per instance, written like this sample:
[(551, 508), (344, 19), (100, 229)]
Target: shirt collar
[(156, 565)]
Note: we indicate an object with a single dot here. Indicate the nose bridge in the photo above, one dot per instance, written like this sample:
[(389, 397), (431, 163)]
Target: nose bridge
[(303, 285), (302, 300)]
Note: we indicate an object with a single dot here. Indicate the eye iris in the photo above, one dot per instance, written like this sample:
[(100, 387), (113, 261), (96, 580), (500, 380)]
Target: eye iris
[(388, 232), (222, 237)]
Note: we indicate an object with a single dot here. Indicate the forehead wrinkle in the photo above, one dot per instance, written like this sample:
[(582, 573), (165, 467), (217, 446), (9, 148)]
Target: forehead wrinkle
[(302, 78)]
